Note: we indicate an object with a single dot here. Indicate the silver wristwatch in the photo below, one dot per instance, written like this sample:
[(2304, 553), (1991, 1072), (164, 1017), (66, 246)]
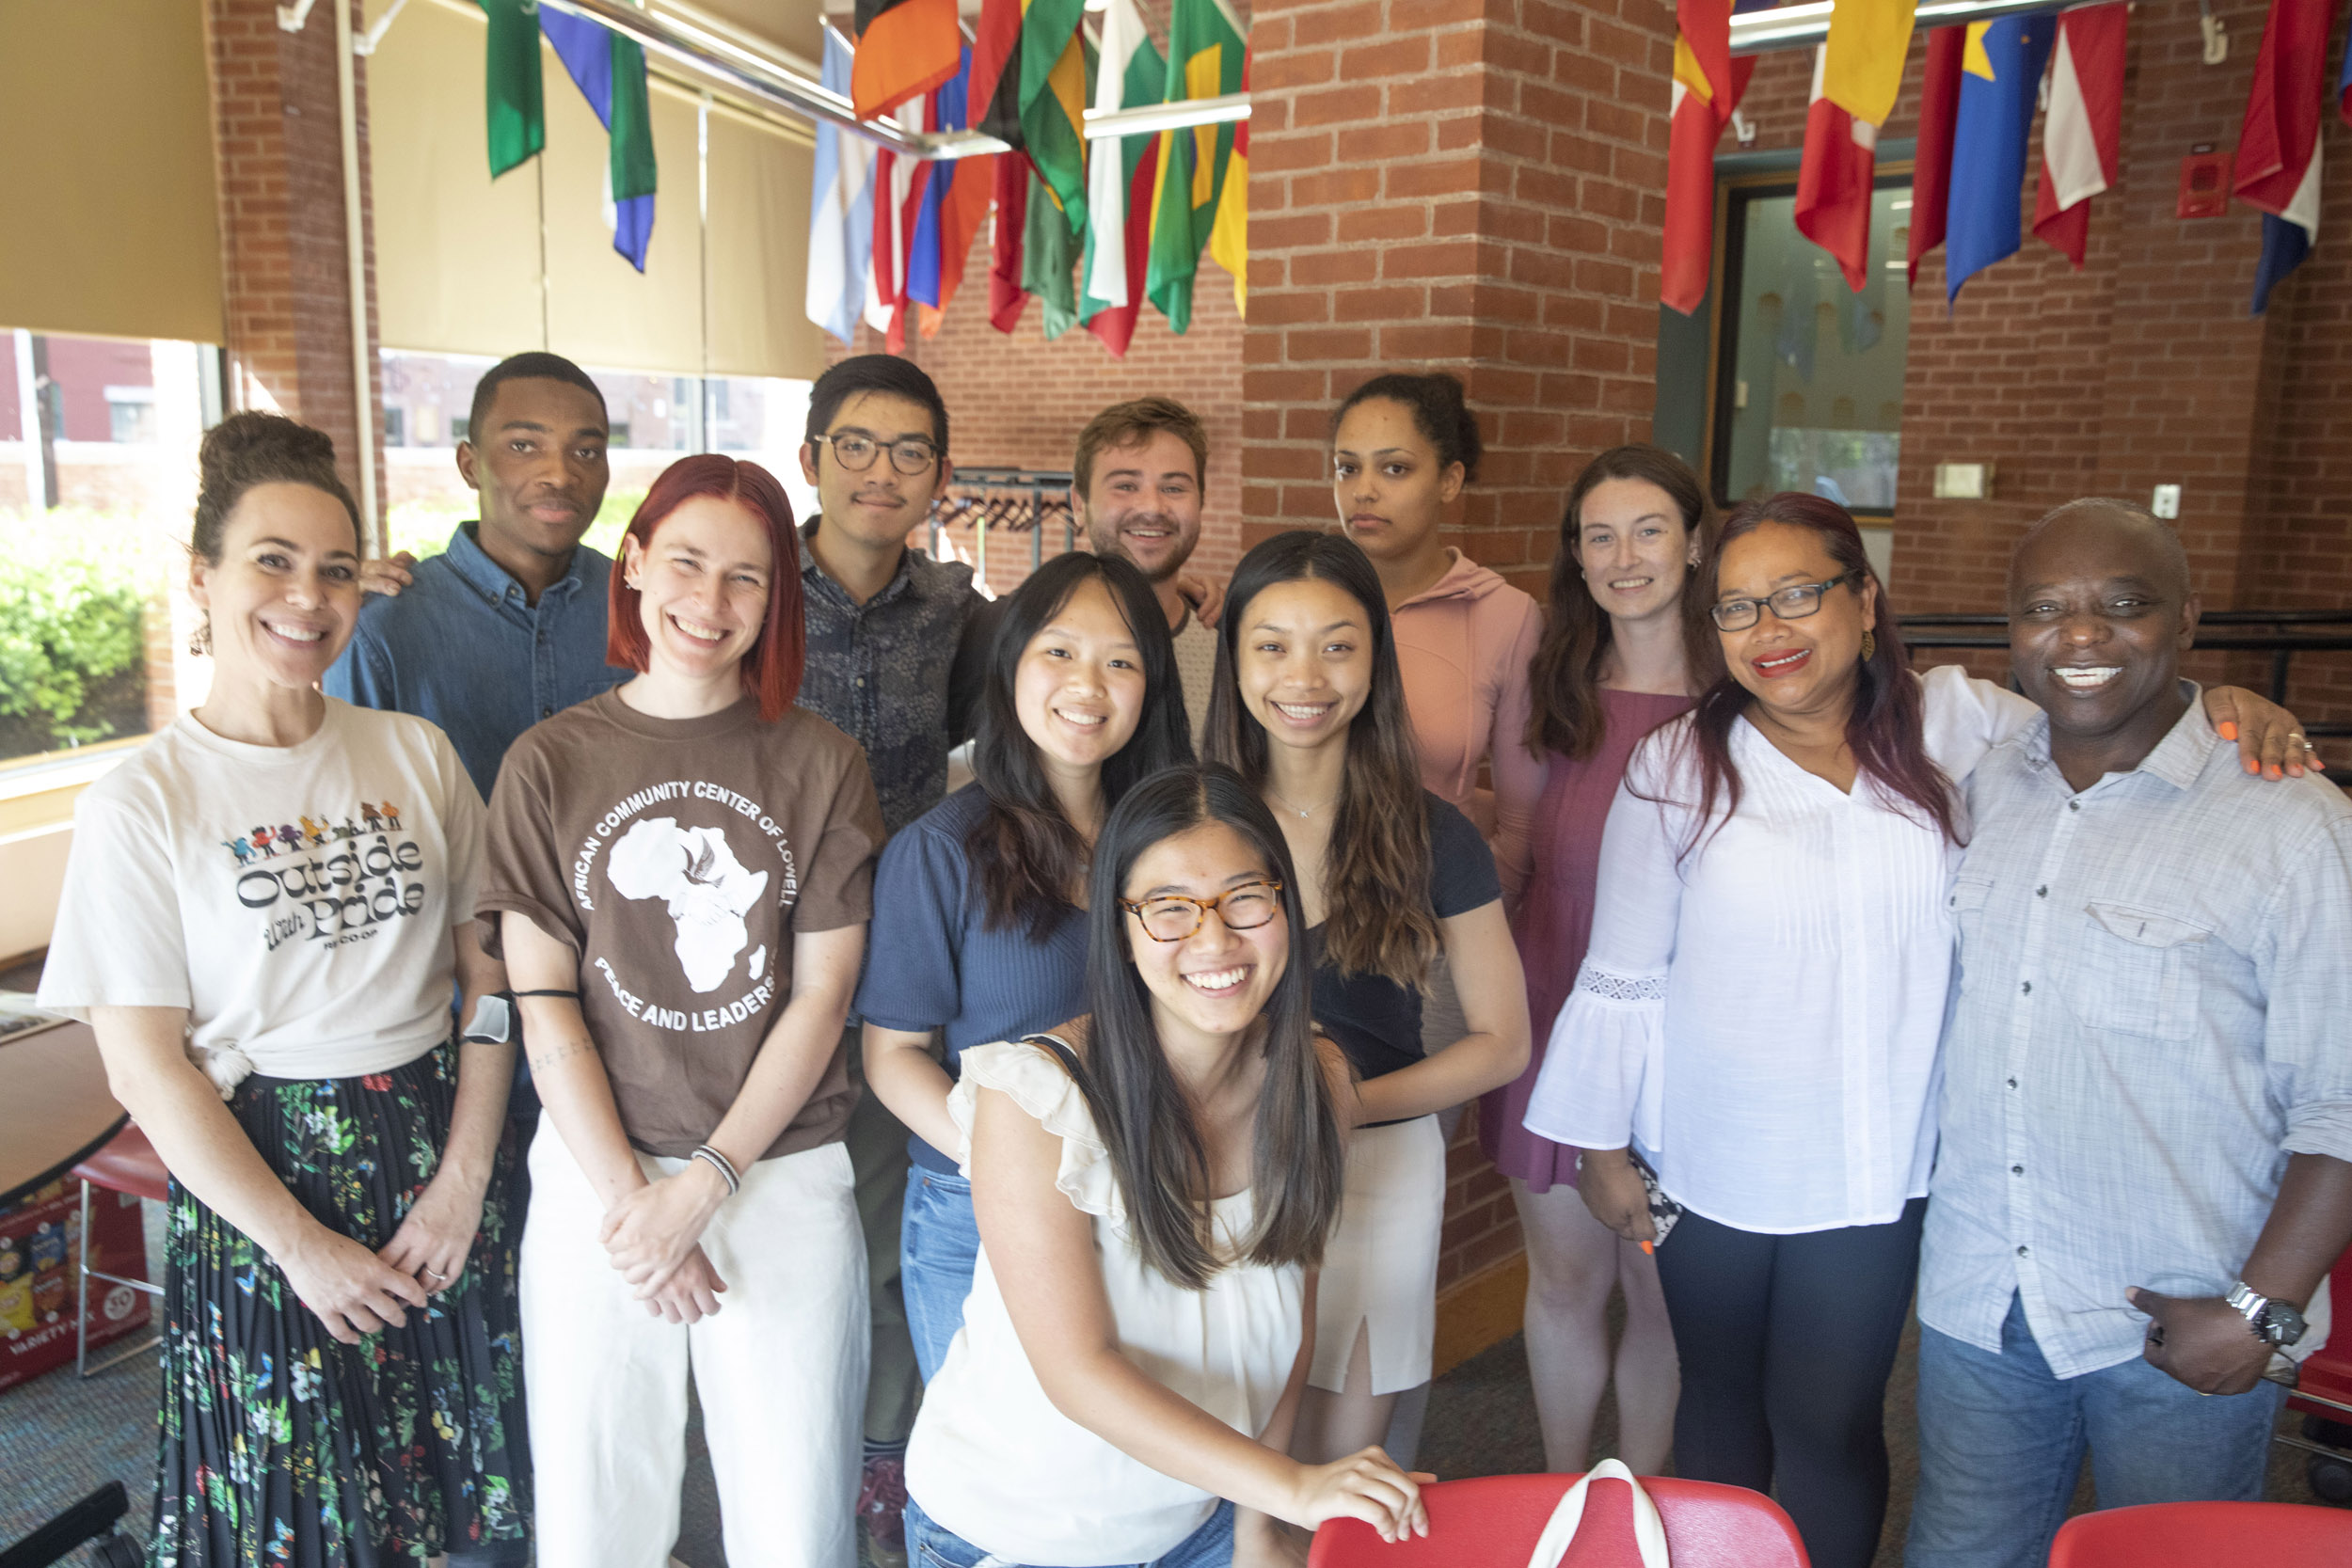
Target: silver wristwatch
[(2276, 1324)]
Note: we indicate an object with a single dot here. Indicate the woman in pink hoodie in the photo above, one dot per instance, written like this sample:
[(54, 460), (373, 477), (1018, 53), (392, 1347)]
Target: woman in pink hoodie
[(1402, 449)]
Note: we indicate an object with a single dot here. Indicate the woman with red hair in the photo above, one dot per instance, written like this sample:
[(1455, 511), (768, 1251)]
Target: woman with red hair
[(680, 872)]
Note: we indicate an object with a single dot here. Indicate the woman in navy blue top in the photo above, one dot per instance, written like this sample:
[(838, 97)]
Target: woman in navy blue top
[(1309, 709), (980, 930)]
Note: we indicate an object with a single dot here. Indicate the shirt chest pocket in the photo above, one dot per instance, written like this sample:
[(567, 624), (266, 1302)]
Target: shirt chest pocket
[(2137, 972)]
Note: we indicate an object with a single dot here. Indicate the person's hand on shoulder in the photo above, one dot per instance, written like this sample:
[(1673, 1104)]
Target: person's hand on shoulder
[(1205, 594), (2271, 740), (388, 575)]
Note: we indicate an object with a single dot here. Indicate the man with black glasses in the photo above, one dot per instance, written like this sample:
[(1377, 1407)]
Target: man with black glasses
[(894, 660)]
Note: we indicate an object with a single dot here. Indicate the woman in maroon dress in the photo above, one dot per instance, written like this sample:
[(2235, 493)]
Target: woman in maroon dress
[(1625, 649)]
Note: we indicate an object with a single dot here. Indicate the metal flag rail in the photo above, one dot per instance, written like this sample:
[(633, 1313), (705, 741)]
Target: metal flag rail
[(735, 65)]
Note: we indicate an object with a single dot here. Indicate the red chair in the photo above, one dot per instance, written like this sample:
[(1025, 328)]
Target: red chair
[(128, 1163), (1495, 1521), (2192, 1535)]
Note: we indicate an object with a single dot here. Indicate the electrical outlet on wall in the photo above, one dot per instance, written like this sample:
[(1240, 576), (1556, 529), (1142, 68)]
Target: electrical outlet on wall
[(2166, 503)]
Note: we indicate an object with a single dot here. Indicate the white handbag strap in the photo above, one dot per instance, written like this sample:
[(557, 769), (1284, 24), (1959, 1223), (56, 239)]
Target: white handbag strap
[(1650, 1530)]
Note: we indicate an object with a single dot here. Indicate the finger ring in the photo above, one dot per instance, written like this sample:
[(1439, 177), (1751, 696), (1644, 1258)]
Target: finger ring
[(436, 1273)]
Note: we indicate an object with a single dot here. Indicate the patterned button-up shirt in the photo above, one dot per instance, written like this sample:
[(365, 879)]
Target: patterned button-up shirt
[(2156, 976), (899, 673)]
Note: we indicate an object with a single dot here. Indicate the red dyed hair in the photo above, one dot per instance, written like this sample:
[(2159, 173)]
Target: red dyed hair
[(1886, 730), (770, 671)]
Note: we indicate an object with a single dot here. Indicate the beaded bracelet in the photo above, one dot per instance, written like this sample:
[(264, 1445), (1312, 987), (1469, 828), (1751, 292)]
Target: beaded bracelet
[(719, 1162)]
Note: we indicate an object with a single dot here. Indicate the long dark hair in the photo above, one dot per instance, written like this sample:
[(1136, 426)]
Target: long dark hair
[(1376, 915), (1025, 854), (1297, 1159), (1885, 731), (1564, 674)]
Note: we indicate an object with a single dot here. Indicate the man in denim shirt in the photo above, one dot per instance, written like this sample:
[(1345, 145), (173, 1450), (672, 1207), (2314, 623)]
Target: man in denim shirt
[(2146, 1167), (506, 626)]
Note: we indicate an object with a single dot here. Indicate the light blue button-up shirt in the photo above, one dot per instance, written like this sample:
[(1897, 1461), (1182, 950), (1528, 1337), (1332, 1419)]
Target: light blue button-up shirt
[(464, 647), (2156, 980)]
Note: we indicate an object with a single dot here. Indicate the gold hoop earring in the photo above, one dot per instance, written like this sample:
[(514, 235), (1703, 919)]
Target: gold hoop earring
[(1869, 644)]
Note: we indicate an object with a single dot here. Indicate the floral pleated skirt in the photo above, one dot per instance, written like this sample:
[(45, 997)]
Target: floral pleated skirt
[(280, 1443)]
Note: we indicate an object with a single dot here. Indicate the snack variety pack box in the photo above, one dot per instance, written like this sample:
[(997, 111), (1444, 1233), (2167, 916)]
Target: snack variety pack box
[(39, 1264)]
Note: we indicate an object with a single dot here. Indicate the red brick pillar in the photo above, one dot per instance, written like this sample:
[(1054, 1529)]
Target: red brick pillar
[(1471, 185), (285, 269), (1475, 185)]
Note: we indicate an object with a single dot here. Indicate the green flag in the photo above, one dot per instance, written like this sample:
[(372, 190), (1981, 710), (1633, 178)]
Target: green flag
[(1053, 91), (517, 122), (631, 124), (1049, 251), (1205, 47)]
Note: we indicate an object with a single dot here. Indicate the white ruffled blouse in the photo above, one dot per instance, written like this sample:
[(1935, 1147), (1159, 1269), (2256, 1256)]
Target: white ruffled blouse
[(993, 1460), (1761, 1018)]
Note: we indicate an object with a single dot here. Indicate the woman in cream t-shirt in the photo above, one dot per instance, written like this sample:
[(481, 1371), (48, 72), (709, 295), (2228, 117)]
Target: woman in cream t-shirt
[(266, 914)]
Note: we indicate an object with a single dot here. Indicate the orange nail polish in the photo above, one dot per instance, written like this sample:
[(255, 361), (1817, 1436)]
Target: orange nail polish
[(2227, 729), (1650, 1250)]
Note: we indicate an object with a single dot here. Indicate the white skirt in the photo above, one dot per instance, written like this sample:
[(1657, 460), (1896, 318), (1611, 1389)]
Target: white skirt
[(1380, 1267)]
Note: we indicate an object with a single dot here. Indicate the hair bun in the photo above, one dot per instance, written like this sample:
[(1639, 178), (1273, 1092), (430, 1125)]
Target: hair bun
[(251, 439)]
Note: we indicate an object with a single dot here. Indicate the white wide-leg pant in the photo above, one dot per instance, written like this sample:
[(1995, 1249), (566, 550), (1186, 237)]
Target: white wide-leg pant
[(780, 1370)]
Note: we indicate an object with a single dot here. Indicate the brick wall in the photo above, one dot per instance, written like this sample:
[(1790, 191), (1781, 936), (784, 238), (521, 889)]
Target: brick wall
[(1472, 184), (278, 141), (2143, 368)]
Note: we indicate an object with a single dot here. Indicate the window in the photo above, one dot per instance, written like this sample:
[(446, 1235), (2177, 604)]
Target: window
[(97, 443), (395, 427), (1808, 373)]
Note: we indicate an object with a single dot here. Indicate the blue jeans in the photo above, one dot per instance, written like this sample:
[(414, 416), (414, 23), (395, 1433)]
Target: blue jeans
[(2001, 1440), (929, 1545), (939, 1244)]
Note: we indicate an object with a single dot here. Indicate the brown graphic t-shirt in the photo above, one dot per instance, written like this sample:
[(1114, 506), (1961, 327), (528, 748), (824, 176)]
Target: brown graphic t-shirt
[(679, 857)]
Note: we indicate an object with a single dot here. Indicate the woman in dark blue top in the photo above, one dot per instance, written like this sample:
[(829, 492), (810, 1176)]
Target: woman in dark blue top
[(1309, 708), (978, 928)]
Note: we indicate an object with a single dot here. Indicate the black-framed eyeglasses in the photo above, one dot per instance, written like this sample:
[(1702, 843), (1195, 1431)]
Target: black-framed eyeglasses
[(909, 454), (1174, 916), (1792, 603)]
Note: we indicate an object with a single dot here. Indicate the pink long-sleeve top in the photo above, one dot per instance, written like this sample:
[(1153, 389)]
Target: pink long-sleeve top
[(1464, 643)]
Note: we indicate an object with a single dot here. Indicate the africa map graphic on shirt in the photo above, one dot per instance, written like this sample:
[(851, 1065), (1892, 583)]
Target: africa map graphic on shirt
[(366, 878), (700, 881)]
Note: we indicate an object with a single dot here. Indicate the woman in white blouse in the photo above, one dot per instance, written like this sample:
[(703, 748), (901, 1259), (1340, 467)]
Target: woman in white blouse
[(1759, 1011), (1163, 1172)]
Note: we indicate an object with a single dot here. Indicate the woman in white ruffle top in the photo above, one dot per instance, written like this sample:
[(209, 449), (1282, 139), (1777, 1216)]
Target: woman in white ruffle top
[(1154, 1184)]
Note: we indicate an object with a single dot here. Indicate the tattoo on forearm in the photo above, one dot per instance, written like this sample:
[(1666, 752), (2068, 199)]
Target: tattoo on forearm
[(542, 1060)]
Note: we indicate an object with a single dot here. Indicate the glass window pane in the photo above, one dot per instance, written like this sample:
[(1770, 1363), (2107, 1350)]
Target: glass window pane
[(1815, 400)]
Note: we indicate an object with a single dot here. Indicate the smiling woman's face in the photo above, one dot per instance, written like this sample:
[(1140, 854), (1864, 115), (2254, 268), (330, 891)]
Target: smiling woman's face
[(1078, 690), (703, 585), (1634, 550), (1216, 981), (283, 598), (1801, 666), (1303, 663)]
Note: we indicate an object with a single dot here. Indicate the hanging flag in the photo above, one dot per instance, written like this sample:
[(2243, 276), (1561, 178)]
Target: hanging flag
[(1049, 256), (1834, 177), (2000, 75), (610, 71), (2278, 149), (1931, 166), (1869, 41), (1205, 51), (905, 48), (1005, 296), (841, 212), (2082, 133), (1053, 103), (958, 194), (1119, 217), (995, 88), (518, 117), (900, 184), (1708, 87), (1229, 236), (2344, 85)]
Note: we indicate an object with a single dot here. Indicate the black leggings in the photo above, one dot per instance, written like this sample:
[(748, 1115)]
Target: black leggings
[(1785, 1343)]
